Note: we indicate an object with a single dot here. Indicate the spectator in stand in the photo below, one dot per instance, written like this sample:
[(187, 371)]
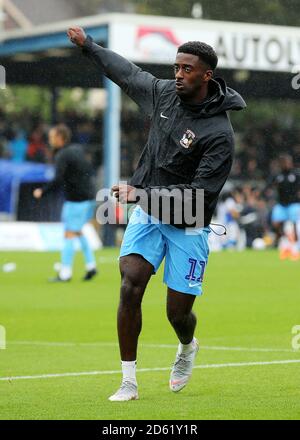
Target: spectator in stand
[(17, 147), (37, 148), (253, 171), (84, 132)]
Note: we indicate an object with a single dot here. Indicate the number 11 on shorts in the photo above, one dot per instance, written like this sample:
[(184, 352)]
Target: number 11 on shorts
[(194, 263)]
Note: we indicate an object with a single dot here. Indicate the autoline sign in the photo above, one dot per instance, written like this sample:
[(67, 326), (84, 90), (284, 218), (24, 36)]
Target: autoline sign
[(238, 45), (258, 52)]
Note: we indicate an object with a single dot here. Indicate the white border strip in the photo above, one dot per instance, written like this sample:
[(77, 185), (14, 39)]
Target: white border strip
[(144, 370)]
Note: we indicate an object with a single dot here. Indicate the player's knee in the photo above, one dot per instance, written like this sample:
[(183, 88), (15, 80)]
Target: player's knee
[(131, 292)]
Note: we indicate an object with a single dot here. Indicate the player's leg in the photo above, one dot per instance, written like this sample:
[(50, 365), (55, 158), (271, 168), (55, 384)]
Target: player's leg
[(74, 217), (294, 216), (181, 316), (67, 257), (68, 248), (89, 257), (278, 228), (135, 274), (141, 253), (183, 321), (85, 214), (186, 260), (278, 217)]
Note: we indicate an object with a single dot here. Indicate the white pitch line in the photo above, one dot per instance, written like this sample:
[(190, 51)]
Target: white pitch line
[(114, 344), (265, 350), (63, 344), (143, 370)]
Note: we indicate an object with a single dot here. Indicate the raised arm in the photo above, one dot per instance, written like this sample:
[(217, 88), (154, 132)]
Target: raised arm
[(139, 85)]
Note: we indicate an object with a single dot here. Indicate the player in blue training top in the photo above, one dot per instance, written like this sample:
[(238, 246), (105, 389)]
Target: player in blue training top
[(74, 175), (190, 147)]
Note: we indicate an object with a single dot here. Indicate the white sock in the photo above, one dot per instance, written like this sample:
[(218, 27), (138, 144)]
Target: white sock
[(129, 371), (90, 266), (186, 348), (65, 272)]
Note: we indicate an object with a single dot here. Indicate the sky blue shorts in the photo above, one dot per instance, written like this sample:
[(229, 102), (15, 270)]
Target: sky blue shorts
[(185, 254), (281, 213), (76, 214)]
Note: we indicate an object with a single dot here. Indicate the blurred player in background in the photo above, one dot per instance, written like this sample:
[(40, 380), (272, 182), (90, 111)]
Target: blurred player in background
[(190, 146), (286, 213), (74, 175), (228, 213)]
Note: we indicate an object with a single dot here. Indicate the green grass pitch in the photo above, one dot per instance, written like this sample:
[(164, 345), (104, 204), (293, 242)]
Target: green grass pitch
[(245, 319)]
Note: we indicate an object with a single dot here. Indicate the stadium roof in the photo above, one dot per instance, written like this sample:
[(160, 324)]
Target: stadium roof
[(43, 55)]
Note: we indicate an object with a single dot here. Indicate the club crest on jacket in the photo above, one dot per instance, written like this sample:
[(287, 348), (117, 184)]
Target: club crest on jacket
[(187, 139)]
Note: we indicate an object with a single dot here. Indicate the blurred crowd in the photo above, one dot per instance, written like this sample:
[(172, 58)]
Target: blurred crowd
[(259, 148), (246, 203), (246, 212), (23, 137)]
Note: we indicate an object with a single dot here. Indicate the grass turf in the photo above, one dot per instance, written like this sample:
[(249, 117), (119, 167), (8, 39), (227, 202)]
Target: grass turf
[(251, 301)]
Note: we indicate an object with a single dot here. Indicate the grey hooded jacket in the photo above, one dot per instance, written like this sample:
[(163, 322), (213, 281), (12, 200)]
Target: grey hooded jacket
[(188, 147)]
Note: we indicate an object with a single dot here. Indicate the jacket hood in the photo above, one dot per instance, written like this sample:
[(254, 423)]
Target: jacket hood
[(221, 99)]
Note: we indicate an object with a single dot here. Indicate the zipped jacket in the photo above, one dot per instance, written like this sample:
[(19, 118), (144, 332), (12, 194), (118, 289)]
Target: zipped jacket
[(189, 147)]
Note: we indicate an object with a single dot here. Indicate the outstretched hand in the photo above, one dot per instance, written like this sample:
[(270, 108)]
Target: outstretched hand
[(77, 35)]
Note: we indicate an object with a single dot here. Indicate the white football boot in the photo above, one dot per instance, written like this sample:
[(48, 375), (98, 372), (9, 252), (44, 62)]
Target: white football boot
[(183, 366), (127, 391)]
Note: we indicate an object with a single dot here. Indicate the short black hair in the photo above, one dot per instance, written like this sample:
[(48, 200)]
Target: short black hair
[(202, 50)]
